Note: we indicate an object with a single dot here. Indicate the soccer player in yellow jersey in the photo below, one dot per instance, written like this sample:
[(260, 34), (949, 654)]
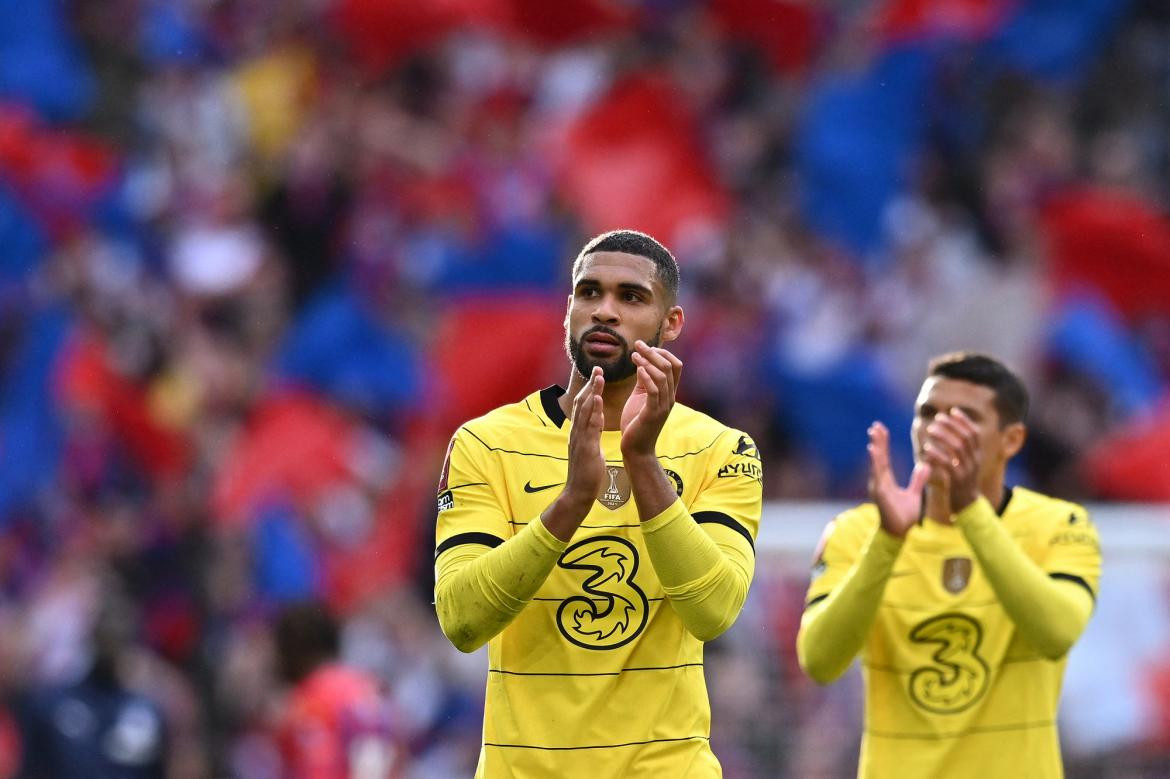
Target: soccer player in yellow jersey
[(595, 537), (962, 595)]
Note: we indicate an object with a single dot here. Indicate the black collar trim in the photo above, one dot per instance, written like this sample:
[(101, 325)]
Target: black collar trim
[(1007, 498), (552, 409)]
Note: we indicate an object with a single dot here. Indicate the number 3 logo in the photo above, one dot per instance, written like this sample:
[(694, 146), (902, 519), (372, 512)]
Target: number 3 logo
[(613, 610), (959, 676)]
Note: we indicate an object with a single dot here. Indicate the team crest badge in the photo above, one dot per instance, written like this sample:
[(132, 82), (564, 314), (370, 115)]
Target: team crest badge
[(956, 573), (615, 491), (676, 480)]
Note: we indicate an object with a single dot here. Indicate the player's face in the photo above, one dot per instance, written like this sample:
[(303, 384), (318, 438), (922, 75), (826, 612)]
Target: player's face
[(617, 299), (998, 443)]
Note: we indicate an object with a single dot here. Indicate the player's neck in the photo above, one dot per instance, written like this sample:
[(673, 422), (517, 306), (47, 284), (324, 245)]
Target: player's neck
[(614, 398), (938, 502), (993, 488)]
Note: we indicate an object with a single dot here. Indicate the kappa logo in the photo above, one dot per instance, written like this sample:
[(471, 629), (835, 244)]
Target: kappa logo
[(750, 470)]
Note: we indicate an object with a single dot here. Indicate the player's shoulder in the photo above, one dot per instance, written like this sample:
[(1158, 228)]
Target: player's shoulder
[(503, 422), (860, 519), (1036, 506), (848, 529), (692, 430)]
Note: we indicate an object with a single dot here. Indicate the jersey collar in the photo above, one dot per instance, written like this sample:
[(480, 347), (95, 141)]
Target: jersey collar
[(1007, 498), (552, 409), (1002, 507)]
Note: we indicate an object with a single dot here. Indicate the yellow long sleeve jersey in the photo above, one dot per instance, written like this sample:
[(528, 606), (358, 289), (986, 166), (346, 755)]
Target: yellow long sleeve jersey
[(963, 632), (595, 646)]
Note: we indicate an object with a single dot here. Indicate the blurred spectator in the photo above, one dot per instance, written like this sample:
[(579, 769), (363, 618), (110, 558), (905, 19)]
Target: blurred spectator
[(335, 723), (96, 726)]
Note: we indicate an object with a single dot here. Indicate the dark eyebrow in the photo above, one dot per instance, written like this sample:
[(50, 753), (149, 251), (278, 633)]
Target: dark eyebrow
[(633, 287), (628, 286)]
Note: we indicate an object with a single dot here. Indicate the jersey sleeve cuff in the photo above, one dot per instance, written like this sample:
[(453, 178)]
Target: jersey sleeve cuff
[(971, 516), (672, 512), (546, 538), (885, 545)]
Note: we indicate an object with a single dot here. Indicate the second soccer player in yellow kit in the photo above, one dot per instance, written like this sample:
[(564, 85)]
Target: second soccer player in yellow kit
[(962, 595)]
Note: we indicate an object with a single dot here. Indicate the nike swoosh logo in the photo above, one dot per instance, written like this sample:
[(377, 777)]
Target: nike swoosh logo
[(529, 488)]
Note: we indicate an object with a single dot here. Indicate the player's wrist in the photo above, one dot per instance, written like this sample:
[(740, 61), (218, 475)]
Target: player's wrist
[(564, 515), (971, 508), (962, 501), (575, 499), (640, 459)]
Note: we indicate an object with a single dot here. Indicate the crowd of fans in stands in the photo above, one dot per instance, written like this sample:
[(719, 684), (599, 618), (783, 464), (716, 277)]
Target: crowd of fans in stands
[(260, 259)]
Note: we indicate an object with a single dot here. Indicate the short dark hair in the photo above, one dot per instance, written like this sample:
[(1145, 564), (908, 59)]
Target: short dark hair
[(642, 245), (307, 635), (1011, 397)]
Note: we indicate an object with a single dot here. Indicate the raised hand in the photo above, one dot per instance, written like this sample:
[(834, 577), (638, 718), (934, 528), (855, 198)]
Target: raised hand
[(652, 399), (899, 507), (952, 449), (586, 461), (586, 472)]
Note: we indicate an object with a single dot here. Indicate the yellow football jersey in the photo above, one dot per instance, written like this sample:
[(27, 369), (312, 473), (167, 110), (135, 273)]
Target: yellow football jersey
[(950, 689), (597, 676)]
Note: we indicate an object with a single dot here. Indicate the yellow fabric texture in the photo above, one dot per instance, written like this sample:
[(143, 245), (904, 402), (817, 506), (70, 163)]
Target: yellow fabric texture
[(479, 590), (595, 648), (964, 633), (705, 581)]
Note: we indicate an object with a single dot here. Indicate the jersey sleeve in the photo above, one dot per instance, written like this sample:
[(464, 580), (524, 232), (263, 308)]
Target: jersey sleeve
[(836, 553), (850, 571), (731, 501), (1048, 610), (484, 575), (469, 511), (1074, 551), (704, 554)]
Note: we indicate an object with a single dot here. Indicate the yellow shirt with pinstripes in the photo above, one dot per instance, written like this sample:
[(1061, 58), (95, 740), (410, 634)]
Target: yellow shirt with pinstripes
[(597, 676)]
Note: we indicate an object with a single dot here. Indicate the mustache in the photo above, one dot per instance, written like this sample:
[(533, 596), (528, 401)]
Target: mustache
[(606, 331)]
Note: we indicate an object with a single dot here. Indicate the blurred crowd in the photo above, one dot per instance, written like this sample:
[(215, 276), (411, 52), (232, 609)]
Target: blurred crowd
[(260, 258)]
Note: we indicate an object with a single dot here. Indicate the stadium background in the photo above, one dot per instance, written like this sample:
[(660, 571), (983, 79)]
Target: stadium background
[(258, 259)]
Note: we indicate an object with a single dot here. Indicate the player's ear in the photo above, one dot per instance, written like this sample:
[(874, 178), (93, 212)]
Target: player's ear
[(568, 308), (672, 323), (1014, 436)]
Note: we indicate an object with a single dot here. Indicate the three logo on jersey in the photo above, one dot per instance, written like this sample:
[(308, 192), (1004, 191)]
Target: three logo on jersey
[(614, 609), (958, 675)]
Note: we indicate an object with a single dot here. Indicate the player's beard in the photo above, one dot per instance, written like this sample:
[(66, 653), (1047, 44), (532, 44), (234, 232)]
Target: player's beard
[(615, 369)]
